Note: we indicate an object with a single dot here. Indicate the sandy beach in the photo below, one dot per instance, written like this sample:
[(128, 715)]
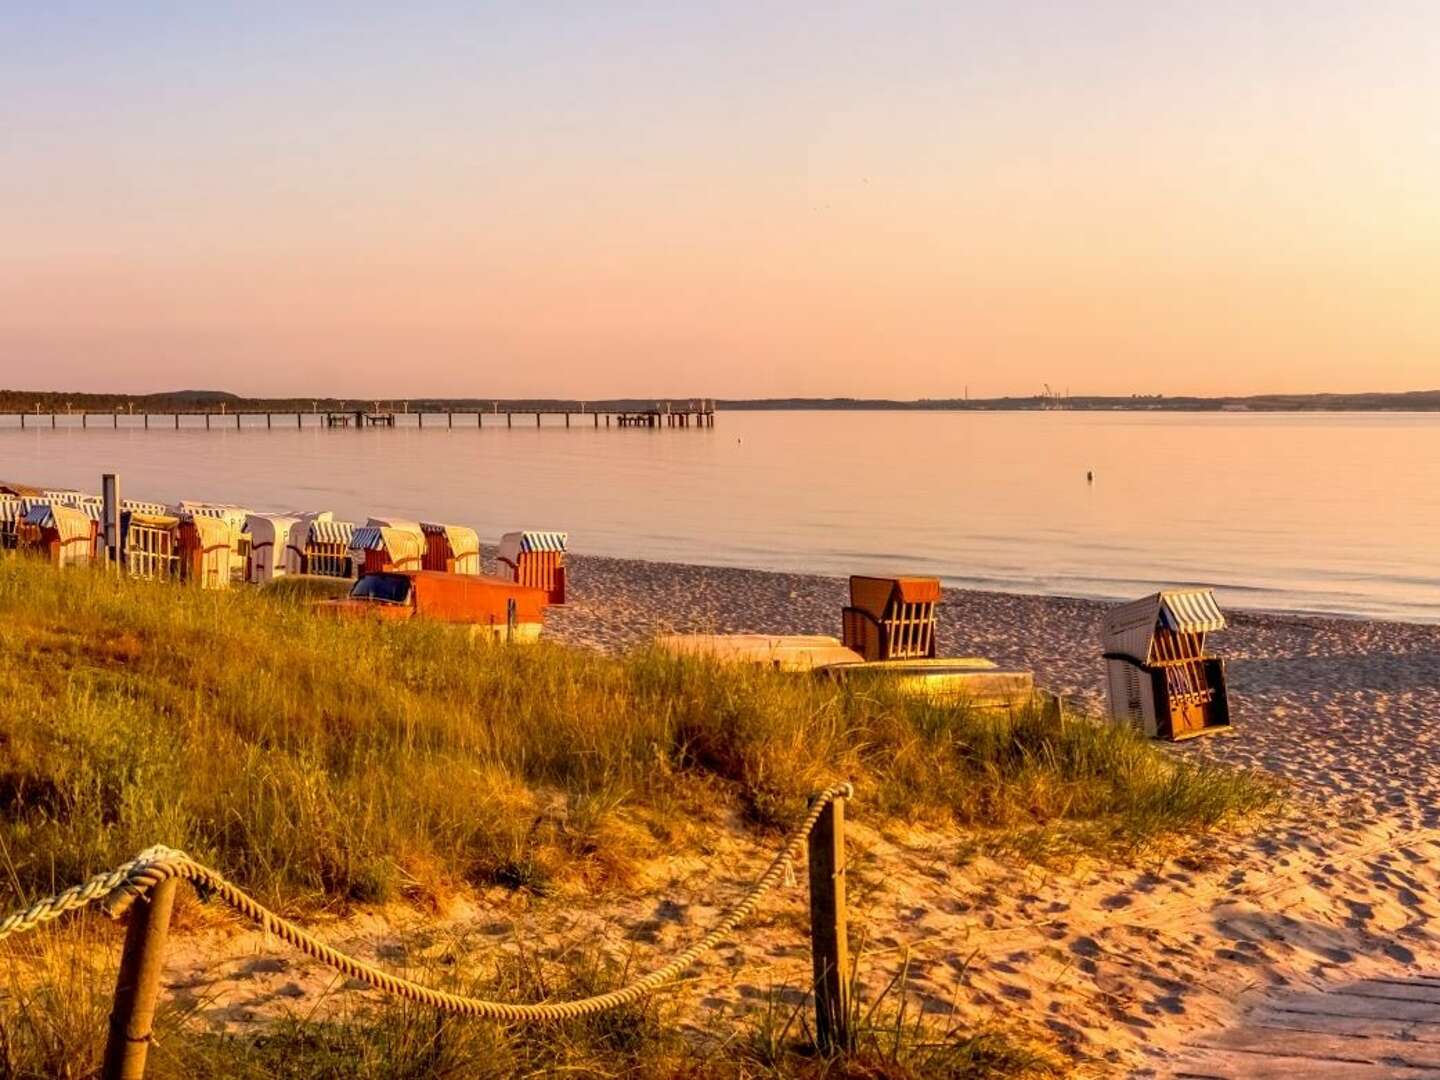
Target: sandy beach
[(1123, 966)]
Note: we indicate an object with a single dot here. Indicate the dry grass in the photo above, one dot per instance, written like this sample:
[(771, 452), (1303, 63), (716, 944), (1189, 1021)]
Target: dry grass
[(54, 1021), (313, 760)]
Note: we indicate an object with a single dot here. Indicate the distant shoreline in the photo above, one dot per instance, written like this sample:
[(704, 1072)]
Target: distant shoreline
[(16, 401)]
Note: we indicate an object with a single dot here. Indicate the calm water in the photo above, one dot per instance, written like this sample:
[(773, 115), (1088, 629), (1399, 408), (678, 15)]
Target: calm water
[(1336, 513)]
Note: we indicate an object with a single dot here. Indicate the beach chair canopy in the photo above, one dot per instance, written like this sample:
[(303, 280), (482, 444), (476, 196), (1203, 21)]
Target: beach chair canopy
[(1130, 629), (329, 531), (513, 544), (138, 519), (139, 506), (213, 532), (269, 529), (306, 517), (401, 545), (462, 539), (233, 516), (69, 523), (874, 595), (455, 542), (11, 510)]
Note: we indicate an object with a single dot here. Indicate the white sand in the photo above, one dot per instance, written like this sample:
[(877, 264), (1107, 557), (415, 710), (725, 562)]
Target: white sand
[(1118, 965)]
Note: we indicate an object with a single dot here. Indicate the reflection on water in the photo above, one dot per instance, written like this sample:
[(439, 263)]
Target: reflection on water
[(1324, 512)]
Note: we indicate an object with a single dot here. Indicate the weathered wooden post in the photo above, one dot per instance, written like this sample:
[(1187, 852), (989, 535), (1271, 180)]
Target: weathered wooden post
[(829, 945), (138, 984), (110, 519)]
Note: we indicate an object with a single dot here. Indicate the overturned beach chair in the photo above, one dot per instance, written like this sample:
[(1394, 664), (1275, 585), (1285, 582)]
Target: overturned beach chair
[(891, 618), (535, 558), (1160, 678), (453, 549), (783, 652)]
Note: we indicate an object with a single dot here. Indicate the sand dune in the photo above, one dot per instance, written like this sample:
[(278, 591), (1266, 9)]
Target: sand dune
[(1120, 965)]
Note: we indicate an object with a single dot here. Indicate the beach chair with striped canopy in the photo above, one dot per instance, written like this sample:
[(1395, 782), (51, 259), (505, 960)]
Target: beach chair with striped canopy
[(11, 511), (891, 618), (327, 548), (383, 544), (536, 558), (1160, 678)]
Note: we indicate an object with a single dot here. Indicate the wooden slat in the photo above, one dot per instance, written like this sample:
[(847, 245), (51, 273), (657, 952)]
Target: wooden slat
[(1348, 1025), (1237, 1065), (1325, 1046), (1370, 1008), (1393, 991)]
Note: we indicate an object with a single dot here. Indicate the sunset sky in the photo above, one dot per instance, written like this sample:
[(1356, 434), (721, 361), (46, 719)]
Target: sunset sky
[(734, 199)]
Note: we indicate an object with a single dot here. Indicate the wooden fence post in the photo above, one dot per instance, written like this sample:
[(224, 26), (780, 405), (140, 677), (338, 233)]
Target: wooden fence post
[(138, 984), (829, 947)]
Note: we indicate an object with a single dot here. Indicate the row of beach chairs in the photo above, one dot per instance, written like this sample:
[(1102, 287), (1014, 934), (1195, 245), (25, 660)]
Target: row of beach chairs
[(214, 545)]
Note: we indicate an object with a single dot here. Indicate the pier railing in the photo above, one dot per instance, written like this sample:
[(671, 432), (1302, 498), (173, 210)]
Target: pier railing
[(694, 413), (144, 890)]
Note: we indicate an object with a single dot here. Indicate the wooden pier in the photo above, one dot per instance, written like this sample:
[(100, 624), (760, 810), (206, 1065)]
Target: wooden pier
[(688, 414)]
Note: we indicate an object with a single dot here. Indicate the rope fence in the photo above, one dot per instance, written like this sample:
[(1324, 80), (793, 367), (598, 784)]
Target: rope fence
[(144, 890)]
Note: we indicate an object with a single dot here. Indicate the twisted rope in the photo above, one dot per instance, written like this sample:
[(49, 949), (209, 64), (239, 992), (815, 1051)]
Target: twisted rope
[(125, 883), (79, 896)]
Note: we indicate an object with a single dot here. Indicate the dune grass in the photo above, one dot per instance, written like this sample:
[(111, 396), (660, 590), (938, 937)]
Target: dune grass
[(320, 763), (315, 760)]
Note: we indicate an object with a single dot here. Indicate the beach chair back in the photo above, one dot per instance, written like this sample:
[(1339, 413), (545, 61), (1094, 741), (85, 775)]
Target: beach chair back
[(535, 559), (891, 618), (327, 548), (148, 544)]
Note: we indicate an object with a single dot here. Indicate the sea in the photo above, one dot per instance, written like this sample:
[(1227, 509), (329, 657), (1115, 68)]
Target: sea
[(1308, 512)]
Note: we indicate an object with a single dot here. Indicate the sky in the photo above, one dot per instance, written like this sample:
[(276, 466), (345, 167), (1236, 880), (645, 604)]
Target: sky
[(736, 200)]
